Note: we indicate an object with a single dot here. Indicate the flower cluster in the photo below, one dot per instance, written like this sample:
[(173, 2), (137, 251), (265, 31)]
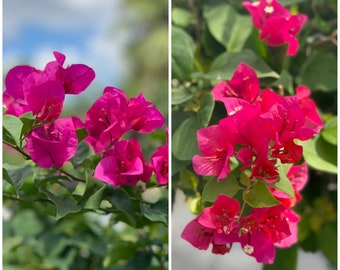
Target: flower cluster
[(52, 141), (262, 127), (259, 232), (260, 132), (276, 24), (109, 118)]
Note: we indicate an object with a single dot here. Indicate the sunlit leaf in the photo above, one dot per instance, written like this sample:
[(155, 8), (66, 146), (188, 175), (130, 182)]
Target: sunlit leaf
[(320, 154), (259, 196), (224, 65), (227, 186), (319, 72), (330, 131), (12, 127), (16, 176), (227, 26), (182, 57)]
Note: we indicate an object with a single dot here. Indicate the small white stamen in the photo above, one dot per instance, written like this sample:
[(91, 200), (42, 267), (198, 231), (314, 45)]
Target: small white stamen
[(257, 3), (248, 249), (269, 9)]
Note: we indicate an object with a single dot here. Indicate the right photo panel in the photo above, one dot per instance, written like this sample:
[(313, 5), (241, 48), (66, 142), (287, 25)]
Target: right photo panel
[(254, 134)]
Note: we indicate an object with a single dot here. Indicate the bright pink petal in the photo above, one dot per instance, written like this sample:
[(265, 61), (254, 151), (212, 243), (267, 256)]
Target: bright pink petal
[(198, 235), (77, 78)]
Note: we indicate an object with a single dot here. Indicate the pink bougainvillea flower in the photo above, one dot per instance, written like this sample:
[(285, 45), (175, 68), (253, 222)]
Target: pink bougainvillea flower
[(256, 141), (43, 92), (276, 24), (289, 124), (198, 235), (13, 97), (259, 231), (281, 30), (74, 78), (123, 164), (261, 11), (292, 219), (160, 162), (141, 116), (222, 215), (106, 120), (243, 85), (45, 97), (308, 108), (53, 144), (216, 149)]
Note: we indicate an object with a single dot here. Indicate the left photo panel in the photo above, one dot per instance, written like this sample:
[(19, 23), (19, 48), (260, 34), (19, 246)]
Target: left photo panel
[(85, 134)]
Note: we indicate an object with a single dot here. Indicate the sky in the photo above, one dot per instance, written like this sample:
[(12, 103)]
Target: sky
[(86, 31)]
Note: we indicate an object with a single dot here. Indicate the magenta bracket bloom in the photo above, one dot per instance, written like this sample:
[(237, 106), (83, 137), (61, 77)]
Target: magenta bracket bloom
[(261, 133), (276, 24), (53, 141)]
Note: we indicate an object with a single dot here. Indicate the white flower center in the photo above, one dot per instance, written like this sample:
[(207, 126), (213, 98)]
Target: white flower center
[(248, 249), (269, 9)]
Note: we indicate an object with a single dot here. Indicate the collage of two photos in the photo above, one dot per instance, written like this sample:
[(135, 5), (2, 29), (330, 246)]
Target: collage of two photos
[(169, 134)]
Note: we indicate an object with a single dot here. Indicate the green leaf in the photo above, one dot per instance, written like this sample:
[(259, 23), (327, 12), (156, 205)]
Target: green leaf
[(327, 239), (259, 196), (227, 26), (284, 259), (181, 95), (26, 223), (206, 110), (182, 58), (121, 200), (27, 120), (181, 17), (319, 72), (65, 204), (184, 144), (12, 127), (228, 186), (330, 131), (16, 176), (59, 195), (157, 212), (184, 140), (82, 153), (320, 154), (81, 134), (224, 65), (93, 195), (290, 2), (283, 182), (189, 180)]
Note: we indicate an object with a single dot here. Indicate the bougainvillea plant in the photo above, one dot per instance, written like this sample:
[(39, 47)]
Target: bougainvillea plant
[(259, 136), (92, 165), (248, 123)]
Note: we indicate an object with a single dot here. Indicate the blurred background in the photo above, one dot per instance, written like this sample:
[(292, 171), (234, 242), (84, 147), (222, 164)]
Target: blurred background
[(126, 43)]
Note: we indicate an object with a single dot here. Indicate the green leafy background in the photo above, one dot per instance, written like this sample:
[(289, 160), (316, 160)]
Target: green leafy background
[(215, 36)]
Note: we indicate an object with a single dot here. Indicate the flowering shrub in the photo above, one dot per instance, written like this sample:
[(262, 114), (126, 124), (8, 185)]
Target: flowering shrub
[(246, 122), (93, 166), (259, 133)]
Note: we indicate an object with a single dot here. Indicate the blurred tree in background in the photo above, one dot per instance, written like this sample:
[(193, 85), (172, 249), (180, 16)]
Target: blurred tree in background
[(135, 234)]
